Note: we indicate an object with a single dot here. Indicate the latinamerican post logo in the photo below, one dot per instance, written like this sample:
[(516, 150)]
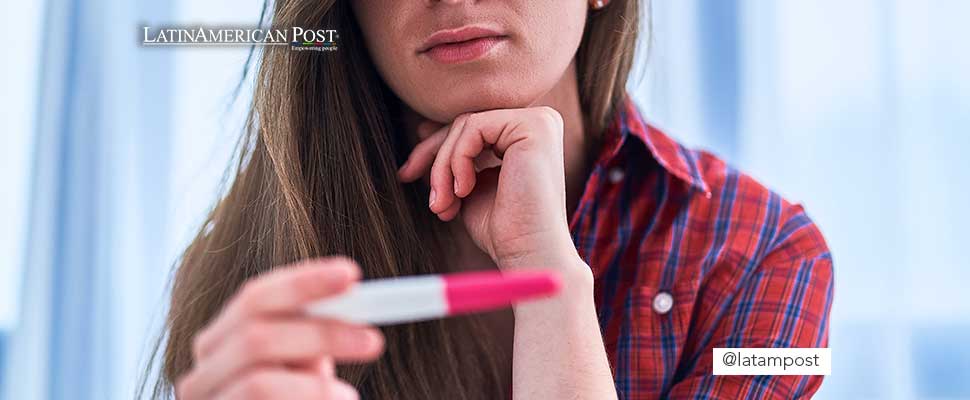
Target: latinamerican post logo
[(297, 38)]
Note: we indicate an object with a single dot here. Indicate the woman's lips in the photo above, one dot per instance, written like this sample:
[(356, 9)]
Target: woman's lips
[(453, 53), (463, 44)]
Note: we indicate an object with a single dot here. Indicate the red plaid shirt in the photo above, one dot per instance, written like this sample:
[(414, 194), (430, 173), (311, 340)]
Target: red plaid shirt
[(689, 254)]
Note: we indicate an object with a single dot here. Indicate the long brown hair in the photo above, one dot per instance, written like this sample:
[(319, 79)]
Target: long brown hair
[(316, 176)]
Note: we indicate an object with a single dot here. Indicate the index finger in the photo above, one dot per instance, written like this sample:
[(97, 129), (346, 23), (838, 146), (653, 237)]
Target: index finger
[(284, 290)]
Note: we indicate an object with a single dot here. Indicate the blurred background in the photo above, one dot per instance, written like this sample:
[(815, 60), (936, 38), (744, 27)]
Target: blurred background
[(113, 152)]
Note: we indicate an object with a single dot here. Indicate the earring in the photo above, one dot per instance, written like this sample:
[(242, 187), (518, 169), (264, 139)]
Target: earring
[(598, 4)]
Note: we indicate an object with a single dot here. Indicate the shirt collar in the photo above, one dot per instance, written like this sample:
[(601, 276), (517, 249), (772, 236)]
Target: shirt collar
[(673, 157)]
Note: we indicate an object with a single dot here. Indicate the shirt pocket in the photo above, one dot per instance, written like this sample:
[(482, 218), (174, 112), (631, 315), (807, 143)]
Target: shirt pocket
[(659, 325)]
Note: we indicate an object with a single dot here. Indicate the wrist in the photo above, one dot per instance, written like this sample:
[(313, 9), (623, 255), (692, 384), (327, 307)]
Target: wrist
[(539, 252), (557, 255), (574, 296)]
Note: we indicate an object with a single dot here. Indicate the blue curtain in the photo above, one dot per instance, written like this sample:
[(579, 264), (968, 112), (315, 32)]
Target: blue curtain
[(93, 275), (859, 110), (3, 360)]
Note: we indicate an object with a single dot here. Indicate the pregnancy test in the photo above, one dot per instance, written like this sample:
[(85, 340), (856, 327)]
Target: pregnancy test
[(422, 297)]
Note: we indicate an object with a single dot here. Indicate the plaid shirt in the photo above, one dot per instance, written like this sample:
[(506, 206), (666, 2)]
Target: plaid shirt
[(689, 254)]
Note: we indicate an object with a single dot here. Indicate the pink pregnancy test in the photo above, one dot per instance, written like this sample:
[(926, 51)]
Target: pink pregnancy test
[(417, 298)]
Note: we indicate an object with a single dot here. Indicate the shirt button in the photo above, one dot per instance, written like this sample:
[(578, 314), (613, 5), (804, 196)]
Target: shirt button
[(663, 302), (615, 175)]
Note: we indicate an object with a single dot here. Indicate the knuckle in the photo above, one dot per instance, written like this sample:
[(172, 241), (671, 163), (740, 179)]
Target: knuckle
[(317, 341), (303, 287), (440, 170), (337, 338), (255, 337), (456, 158), (245, 306), (550, 116), (456, 165), (471, 119), (247, 294)]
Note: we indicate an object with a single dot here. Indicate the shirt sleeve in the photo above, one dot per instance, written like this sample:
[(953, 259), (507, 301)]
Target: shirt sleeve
[(784, 302)]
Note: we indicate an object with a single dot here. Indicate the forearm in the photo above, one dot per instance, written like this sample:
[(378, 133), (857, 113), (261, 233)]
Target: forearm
[(558, 351)]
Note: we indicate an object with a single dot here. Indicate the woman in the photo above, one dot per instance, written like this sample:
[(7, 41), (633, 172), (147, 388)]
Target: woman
[(451, 135)]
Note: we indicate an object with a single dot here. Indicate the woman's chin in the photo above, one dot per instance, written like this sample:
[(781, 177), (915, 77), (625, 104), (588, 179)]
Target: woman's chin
[(451, 106)]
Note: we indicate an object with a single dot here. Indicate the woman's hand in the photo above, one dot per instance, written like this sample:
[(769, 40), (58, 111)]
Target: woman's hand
[(262, 346), (515, 213)]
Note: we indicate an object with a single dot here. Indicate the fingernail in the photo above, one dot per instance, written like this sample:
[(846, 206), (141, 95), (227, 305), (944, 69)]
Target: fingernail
[(431, 198), (456, 185)]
